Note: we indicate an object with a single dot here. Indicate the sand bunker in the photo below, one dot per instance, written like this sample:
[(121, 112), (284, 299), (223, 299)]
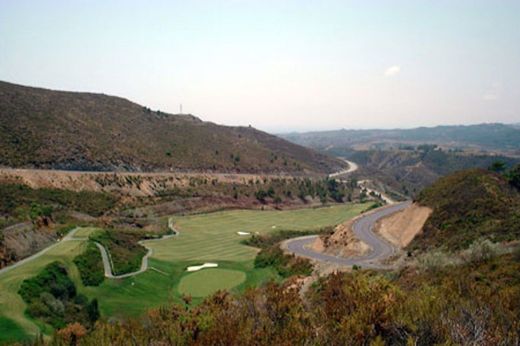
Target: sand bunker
[(202, 266), (243, 233)]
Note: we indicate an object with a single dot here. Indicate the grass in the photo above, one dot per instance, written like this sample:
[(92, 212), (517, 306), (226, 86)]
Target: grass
[(12, 306), (10, 331), (213, 237), (203, 238), (208, 281)]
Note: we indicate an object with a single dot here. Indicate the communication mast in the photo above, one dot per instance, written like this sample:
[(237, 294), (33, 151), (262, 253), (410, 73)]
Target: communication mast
[(180, 108)]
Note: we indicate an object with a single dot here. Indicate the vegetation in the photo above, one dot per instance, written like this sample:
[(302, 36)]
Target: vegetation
[(85, 131), (210, 237), (21, 202), (206, 282), (51, 296), (90, 266), (409, 171), (286, 265), (125, 252), (11, 332), (469, 205), (476, 304), (488, 136), (267, 240)]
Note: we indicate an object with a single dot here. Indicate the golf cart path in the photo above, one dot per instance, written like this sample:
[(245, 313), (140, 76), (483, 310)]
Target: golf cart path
[(68, 237), (107, 259), (105, 255), (363, 229)]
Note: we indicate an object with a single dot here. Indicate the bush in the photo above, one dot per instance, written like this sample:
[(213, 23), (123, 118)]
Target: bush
[(285, 265), (125, 251), (51, 296), (90, 266), (481, 250)]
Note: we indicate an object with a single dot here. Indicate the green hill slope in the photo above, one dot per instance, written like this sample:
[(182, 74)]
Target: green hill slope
[(468, 205), (82, 131)]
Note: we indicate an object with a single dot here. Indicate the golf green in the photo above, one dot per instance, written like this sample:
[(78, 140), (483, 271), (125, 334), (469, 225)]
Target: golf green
[(208, 281)]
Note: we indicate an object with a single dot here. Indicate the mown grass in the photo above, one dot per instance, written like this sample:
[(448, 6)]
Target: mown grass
[(11, 331), (203, 238), (12, 306), (213, 237), (208, 281)]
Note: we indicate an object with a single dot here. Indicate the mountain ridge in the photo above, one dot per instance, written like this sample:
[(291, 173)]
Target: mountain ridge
[(42, 128)]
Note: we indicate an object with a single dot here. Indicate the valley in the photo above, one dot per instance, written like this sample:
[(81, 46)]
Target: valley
[(103, 240), (202, 238)]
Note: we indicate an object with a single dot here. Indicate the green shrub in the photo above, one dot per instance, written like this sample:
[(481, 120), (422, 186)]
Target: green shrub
[(285, 265), (51, 297), (90, 266), (125, 252)]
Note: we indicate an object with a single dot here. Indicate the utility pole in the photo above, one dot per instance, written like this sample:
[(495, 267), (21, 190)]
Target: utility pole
[(180, 108)]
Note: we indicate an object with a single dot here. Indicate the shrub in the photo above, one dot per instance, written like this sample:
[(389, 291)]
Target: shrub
[(125, 251), (481, 250), (90, 266), (51, 296)]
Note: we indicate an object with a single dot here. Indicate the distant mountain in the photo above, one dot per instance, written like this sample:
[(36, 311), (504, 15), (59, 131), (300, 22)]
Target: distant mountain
[(42, 128), (409, 171), (485, 136), (469, 205)]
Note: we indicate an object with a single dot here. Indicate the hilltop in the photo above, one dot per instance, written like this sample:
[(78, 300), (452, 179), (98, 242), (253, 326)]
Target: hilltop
[(408, 171), (481, 136), (42, 128), (469, 205)]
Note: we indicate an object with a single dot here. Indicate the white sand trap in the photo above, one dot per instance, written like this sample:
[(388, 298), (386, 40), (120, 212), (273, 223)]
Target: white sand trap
[(243, 233), (202, 266), (273, 227)]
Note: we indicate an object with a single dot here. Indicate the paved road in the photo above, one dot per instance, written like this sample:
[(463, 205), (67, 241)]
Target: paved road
[(69, 236), (363, 229), (352, 167)]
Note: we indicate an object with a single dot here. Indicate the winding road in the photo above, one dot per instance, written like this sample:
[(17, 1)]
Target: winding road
[(363, 229), (352, 167)]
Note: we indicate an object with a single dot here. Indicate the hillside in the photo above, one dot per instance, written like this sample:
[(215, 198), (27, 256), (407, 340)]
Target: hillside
[(468, 205), (42, 128), (409, 171), (482, 136)]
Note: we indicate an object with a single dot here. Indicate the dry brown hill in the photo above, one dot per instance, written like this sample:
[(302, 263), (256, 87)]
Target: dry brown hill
[(42, 128)]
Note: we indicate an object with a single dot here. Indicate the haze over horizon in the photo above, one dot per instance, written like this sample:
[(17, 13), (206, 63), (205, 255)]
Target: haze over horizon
[(280, 66)]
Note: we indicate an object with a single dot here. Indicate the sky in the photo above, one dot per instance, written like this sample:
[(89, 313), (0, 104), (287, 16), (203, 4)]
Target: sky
[(277, 65)]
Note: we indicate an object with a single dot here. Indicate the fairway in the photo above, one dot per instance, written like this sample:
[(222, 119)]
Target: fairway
[(203, 238), (213, 237), (208, 281)]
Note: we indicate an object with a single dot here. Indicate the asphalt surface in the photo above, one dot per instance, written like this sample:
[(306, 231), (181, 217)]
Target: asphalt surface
[(363, 229), (352, 167)]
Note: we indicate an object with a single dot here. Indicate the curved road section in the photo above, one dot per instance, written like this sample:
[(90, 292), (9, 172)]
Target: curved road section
[(363, 229)]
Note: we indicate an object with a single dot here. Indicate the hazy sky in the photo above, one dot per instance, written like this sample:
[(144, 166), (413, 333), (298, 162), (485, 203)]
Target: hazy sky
[(277, 65)]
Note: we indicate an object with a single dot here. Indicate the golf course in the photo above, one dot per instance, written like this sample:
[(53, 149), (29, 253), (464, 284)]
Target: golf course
[(211, 237)]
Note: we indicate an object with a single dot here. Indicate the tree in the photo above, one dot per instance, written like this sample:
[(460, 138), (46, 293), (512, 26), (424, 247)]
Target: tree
[(513, 176), (497, 166)]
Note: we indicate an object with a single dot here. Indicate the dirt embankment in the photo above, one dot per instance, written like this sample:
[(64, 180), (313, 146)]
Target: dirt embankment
[(341, 243), (126, 183), (22, 240), (400, 228)]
